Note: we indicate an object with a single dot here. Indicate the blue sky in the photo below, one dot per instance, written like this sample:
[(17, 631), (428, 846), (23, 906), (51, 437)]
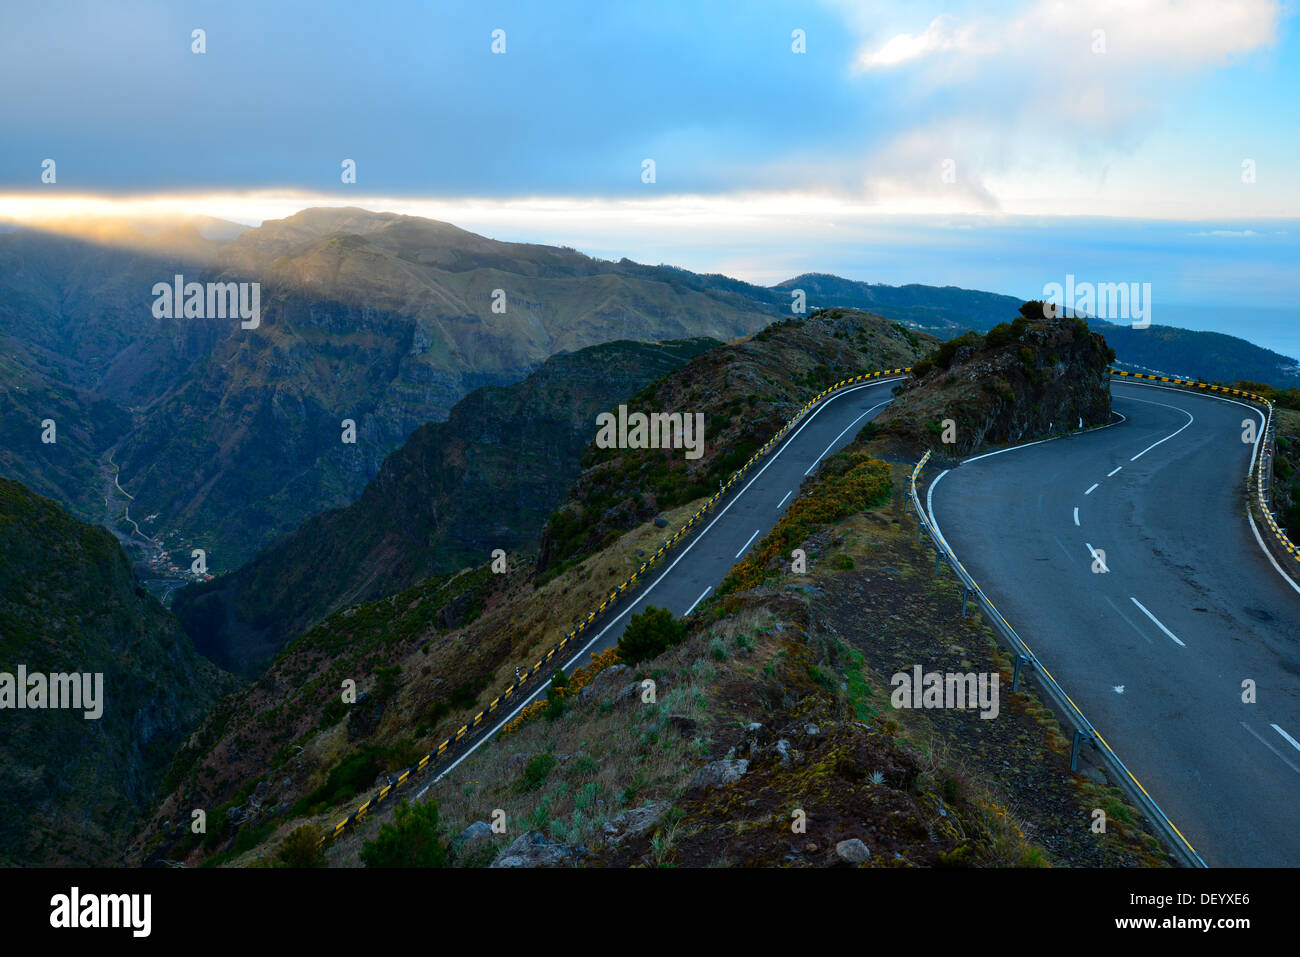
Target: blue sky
[(1092, 136)]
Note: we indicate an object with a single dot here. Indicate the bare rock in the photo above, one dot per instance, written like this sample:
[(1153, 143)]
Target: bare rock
[(603, 685), (634, 822), (718, 773), (853, 851), (534, 849)]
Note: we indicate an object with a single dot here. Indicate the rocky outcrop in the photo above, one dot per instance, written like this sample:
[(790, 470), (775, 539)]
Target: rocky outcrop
[(1023, 380), (719, 773), (613, 682), (634, 822), (535, 849)]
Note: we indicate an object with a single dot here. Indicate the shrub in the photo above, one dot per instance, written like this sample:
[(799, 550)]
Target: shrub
[(999, 335), (649, 634), (537, 771), (555, 693), (1033, 309), (943, 356), (345, 779), (302, 848), (414, 839), (386, 682)]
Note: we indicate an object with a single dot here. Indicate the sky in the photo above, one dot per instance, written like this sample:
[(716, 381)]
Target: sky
[(989, 145)]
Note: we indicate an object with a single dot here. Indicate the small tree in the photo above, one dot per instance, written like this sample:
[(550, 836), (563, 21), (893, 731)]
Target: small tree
[(302, 848), (414, 839), (649, 634)]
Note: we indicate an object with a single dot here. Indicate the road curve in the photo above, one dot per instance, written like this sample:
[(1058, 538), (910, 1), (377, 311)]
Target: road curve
[(1126, 560), (700, 562)]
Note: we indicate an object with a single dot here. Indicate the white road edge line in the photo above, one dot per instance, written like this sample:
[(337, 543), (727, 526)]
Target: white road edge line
[(784, 497), (1142, 608), (1076, 515), (697, 601), (841, 435), (748, 543), (691, 544), (1269, 555), (1093, 551), (1254, 454), (1117, 468), (1092, 489), (1294, 743)]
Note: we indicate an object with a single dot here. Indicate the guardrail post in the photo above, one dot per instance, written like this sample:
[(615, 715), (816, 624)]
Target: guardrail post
[(938, 556), (1021, 660), (965, 593), (1074, 751)]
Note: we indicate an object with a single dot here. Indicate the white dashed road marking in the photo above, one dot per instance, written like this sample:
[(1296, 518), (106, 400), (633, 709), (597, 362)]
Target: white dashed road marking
[(1155, 619)]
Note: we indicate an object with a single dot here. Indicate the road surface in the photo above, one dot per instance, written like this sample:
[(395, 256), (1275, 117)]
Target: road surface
[(1126, 560)]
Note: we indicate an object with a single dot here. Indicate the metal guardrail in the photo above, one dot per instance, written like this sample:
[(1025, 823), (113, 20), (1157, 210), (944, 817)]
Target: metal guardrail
[(524, 677), (527, 675), (1258, 494), (1084, 729)]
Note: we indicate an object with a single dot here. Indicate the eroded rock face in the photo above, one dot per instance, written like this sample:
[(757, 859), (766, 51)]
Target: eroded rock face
[(535, 849), (1047, 377)]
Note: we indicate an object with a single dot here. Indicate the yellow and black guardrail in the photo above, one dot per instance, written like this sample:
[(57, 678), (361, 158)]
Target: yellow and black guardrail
[(1085, 730), (461, 733), (1257, 495)]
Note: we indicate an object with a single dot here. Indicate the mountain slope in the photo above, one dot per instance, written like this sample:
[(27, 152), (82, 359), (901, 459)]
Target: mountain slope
[(1189, 354), (386, 320), (73, 787), (789, 673), (941, 310), (486, 478), (746, 391)]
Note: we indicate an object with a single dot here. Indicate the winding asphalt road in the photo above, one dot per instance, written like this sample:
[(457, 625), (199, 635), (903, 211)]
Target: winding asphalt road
[(1126, 559), (701, 561)]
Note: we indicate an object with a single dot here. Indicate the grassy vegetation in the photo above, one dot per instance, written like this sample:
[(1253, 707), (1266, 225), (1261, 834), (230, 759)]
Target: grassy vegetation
[(1286, 472), (848, 482), (921, 788)]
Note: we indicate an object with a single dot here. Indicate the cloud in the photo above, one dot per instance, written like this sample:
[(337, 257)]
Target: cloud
[(941, 36), (1054, 90), (1157, 33)]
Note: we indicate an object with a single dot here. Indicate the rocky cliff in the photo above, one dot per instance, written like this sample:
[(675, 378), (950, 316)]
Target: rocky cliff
[(1022, 380)]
